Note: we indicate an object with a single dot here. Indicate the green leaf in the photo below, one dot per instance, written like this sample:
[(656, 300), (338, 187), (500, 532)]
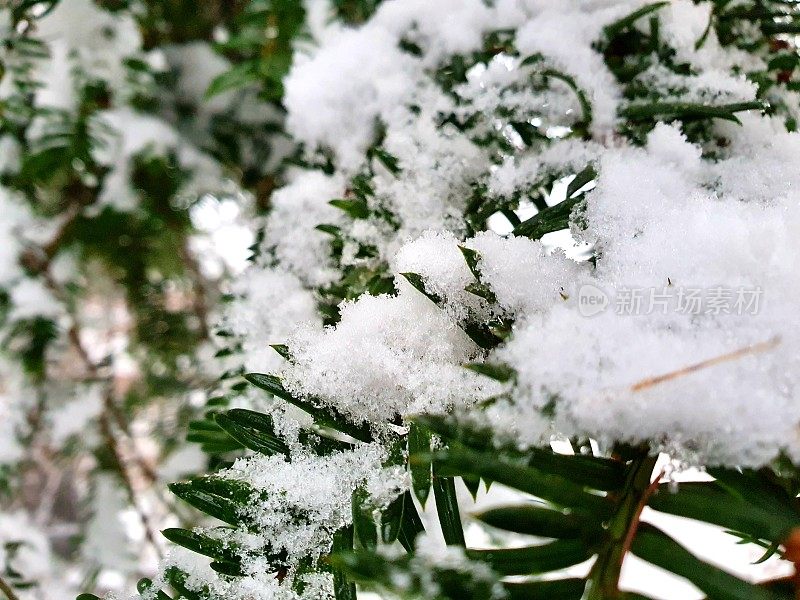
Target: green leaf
[(757, 487), (586, 107), (482, 335), (230, 569), (530, 560), (552, 218), (657, 548), (552, 488), (343, 588), (224, 509), (201, 544), (688, 110), (332, 230), (589, 471), (357, 209), (706, 501), (556, 589), (363, 524), (237, 77), (532, 519), (410, 525), (586, 176), (472, 258), (416, 280), (473, 484), (527, 132), (252, 429), (145, 586), (211, 437), (482, 291), (479, 333), (400, 521), (365, 567), (496, 371), (387, 160), (283, 350), (444, 492), (177, 578), (325, 417), (419, 442), (391, 518), (211, 447), (785, 61), (395, 576), (614, 29)]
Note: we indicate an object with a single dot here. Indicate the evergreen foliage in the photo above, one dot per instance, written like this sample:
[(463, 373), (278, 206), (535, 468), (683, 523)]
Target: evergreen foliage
[(406, 335)]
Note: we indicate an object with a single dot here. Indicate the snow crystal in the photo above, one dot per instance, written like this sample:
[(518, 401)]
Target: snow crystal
[(436, 257), (16, 219), (297, 209), (387, 356), (290, 305), (564, 34), (334, 97), (128, 133), (81, 35), (300, 504), (522, 275), (31, 298), (252, 586)]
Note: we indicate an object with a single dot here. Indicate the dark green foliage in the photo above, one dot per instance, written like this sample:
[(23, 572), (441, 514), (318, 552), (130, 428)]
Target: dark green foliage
[(656, 547), (324, 417), (215, 496), (29, 340), (533, 519), (587, 506), (252, 429), (530, 560), (563, 589), (258, 59), (444, 492), (419, 445)]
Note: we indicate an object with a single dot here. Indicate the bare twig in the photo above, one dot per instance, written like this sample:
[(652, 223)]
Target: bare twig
[(637, 516), (6, 589), (111, 441), (741, 352)]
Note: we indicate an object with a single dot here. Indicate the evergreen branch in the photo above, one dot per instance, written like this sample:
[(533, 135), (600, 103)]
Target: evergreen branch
[(629, 502)]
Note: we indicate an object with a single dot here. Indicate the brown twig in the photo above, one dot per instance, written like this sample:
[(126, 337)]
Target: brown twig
[(119, 458), (705, 364), (637, 516), (791, 547), (110, 414), (6, 589), (200, 290)]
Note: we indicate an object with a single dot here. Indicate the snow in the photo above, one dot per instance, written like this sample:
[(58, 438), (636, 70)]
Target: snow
[(297, 208), (673, 215), (16, 219), (82, 36), (291, 304), (665, 218), (334, 97), (387, 356), (298, 505)]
